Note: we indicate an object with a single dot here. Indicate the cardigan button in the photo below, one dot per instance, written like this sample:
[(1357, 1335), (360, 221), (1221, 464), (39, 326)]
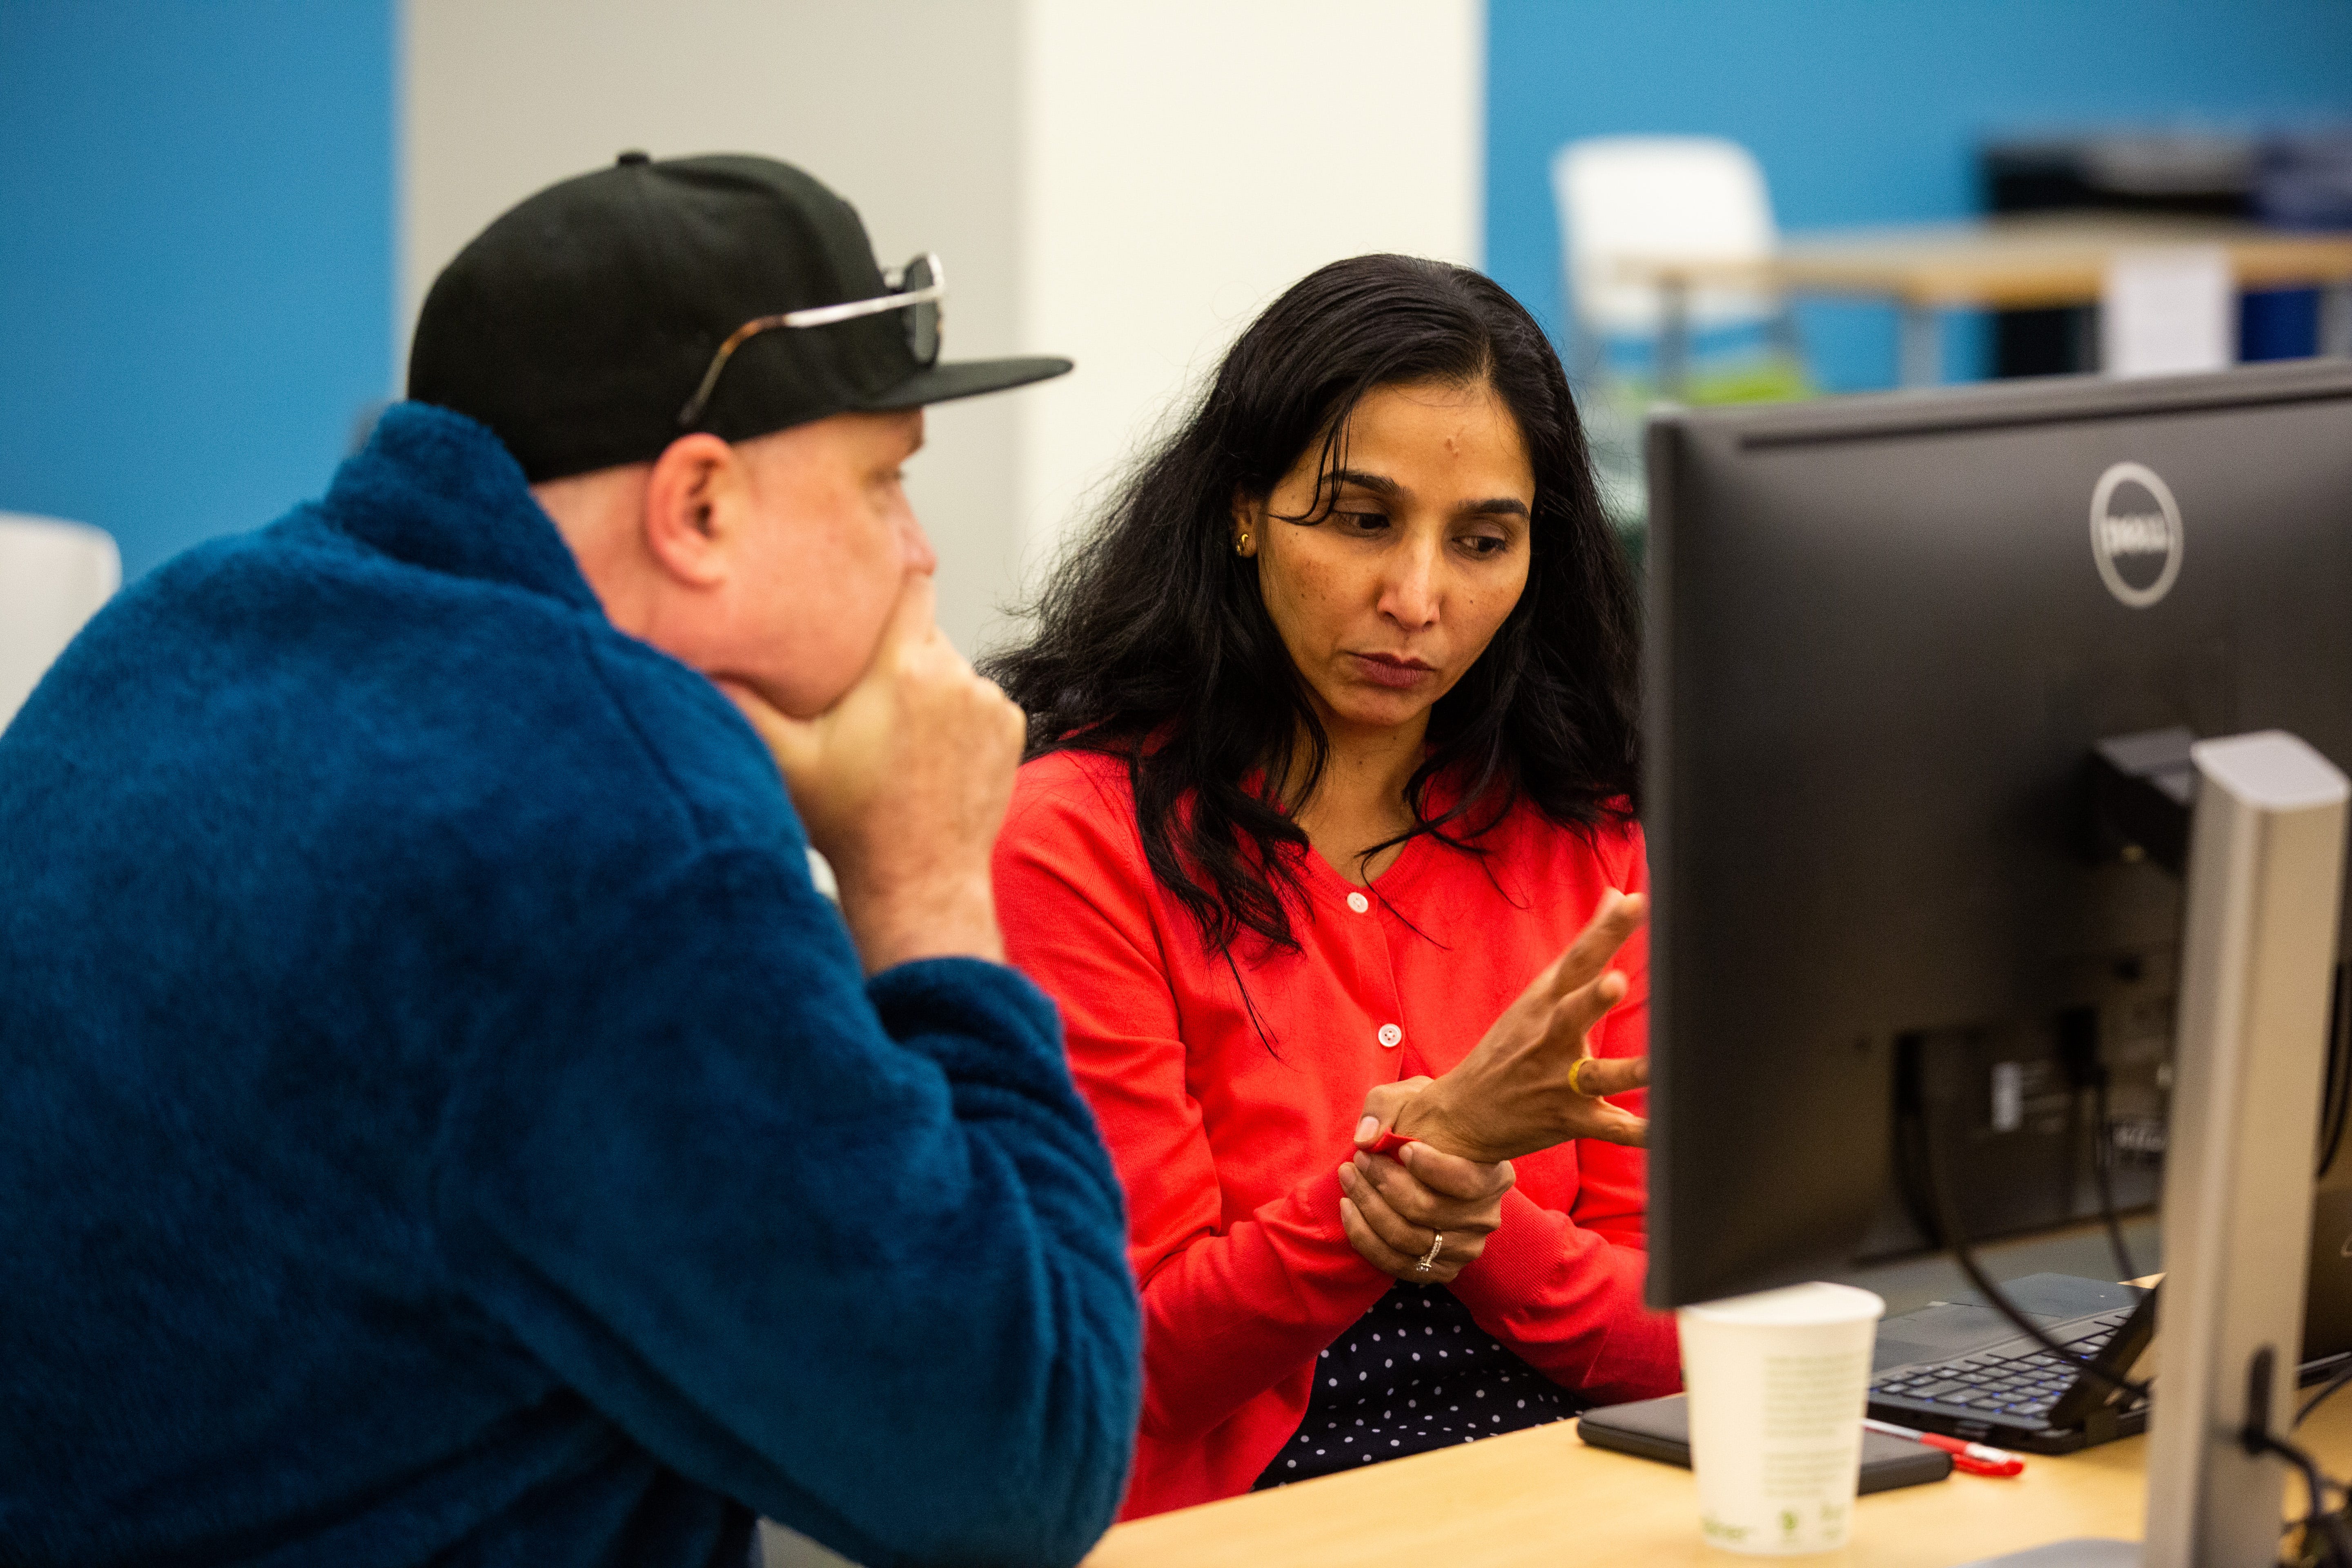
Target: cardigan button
[(1358, 902), (1391, 1035)]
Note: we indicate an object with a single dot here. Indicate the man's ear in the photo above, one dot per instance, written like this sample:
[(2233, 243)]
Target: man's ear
[(694, 499)]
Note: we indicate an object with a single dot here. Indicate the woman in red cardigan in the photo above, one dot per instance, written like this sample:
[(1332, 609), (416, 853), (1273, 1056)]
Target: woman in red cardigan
[(1330, 831)]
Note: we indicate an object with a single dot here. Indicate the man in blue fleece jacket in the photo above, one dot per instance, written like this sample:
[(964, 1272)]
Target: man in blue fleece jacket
[(440, 1121)]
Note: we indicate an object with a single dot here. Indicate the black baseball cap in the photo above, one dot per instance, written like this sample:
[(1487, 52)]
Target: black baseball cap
[(583, 325)]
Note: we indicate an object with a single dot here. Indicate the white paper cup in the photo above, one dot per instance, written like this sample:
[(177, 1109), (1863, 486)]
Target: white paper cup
[(1776, 1383)]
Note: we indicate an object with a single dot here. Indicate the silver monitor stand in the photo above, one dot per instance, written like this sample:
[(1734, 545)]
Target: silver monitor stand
[(2265, 880)]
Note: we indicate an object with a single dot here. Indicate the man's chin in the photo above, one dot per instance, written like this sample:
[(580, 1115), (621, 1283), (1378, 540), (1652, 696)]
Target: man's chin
[(746, 692)]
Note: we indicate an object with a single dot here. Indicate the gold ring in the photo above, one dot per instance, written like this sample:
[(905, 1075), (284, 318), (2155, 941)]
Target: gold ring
[(1437, 1242), (1575, 1077)]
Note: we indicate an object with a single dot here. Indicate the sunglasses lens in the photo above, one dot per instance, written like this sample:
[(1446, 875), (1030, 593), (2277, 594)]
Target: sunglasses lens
[(922, 320)]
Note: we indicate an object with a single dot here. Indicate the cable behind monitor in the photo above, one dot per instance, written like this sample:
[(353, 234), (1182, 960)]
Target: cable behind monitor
[(1928, 1194), (2335, 1099)]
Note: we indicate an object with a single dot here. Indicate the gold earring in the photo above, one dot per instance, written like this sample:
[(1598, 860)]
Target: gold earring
[(1241, 545)]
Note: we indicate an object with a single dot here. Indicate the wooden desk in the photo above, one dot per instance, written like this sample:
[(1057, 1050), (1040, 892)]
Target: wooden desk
[(2028, 261), (2036, 260), (1542, 1500)]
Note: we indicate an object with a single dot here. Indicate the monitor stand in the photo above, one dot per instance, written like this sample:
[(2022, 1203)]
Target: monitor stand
[(2265, 874)]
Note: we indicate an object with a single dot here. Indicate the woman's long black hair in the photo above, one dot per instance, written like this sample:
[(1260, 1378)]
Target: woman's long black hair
[(1151, 641)]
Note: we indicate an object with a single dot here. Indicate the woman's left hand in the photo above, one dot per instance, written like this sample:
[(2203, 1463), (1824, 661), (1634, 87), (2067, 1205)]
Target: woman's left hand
[(1423, 1215)]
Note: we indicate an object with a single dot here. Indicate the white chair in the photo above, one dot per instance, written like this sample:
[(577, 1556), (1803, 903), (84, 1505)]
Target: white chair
[(1630, 207), (53, 577)]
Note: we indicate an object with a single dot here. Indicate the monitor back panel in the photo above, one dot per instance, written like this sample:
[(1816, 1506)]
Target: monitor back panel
[(1883, 634)]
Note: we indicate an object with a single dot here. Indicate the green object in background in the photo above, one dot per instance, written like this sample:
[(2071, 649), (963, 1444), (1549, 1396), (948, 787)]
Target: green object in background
[(1616, 412), (1775, 379)]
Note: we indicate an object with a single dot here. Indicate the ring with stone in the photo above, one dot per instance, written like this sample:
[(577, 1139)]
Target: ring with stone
[(1436, 1243)]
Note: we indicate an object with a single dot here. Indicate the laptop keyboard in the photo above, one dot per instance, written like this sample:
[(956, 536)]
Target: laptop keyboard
[(2022, 1387)]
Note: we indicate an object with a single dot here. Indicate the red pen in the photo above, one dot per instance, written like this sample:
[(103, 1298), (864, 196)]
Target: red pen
[(1971, 1458)]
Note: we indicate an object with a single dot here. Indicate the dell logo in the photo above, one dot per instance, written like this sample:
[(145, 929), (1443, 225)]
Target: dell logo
[(2134, 534)]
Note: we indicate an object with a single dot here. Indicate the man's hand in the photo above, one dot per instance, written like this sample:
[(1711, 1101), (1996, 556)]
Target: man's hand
[(1533, 1081), (902, 785), (1396, 1209)]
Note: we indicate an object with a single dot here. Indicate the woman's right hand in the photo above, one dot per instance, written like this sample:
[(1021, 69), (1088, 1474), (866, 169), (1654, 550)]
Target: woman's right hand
[(1397, 1208), (1533, 1081)]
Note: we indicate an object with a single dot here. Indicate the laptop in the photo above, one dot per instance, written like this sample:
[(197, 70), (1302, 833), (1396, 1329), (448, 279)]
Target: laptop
[(1962, 1369)]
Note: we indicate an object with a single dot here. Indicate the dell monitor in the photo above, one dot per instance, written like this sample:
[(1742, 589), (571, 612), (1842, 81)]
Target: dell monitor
[(1886, 638)]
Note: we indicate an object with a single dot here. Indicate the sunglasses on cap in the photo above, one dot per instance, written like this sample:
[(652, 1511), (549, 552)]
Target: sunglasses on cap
[(917, 289)]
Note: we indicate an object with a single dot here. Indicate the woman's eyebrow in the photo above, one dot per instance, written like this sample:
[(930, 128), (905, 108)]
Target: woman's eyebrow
[(1382, 486), (1379, 484), (1499, 506)]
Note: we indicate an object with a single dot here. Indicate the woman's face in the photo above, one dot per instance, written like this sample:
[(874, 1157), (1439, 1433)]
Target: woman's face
[(1387, 602)]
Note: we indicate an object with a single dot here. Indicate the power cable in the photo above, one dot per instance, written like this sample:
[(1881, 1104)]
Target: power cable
[(1950, 1235), (2102, 1159), (2322, 1527), (2343, 1376)]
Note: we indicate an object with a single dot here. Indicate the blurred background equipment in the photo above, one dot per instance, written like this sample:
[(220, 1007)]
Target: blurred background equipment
[(53, 577), (2186, 175), (2167, 311), (2282, 180), (2305, 179)]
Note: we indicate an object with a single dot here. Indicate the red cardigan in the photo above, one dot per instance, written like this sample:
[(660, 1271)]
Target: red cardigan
[(1229, 1149)]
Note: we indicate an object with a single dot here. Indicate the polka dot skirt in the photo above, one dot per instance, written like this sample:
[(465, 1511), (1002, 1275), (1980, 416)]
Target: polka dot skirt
[(1413, 1374)]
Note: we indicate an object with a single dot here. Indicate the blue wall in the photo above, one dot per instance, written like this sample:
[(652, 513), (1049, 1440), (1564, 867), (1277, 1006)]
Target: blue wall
[(195, 257), (1869, 111)]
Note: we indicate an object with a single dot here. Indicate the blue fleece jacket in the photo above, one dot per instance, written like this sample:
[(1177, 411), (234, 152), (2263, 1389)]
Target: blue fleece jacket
[(440, 1121)]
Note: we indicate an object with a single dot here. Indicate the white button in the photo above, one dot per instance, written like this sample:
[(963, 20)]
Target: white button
[(1358, 902), (1391, 1035)]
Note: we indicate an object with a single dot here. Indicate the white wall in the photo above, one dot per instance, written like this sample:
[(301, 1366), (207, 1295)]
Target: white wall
[(1124, 182), (1185, 161), (908, 109)]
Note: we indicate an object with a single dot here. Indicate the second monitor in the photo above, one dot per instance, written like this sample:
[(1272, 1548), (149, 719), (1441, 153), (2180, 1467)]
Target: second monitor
[(1884, 637)]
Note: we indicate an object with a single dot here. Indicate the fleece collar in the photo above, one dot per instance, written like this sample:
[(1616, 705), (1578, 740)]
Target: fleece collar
[(439, 490)]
